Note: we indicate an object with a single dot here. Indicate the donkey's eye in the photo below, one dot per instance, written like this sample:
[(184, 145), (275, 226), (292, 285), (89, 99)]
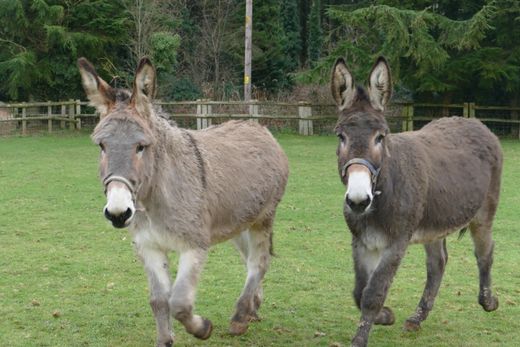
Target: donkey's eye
[(102, 147), (379, 138), (341, 137), (139, 148)]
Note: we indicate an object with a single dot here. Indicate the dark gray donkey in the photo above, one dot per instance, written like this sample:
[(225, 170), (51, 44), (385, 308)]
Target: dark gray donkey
[(181, 190), (414, 187)]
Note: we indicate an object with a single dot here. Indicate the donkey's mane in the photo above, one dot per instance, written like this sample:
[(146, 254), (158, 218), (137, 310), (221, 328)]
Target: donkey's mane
[(361, 94), (122, 98), (122, 95)]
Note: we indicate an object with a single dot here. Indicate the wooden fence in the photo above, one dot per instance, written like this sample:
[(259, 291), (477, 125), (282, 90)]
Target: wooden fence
[(301, 117)]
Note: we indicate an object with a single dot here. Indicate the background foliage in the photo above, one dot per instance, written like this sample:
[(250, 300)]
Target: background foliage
[(443, 50)]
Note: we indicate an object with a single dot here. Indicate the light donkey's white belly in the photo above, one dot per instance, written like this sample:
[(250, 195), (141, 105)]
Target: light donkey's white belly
[(153, 235)]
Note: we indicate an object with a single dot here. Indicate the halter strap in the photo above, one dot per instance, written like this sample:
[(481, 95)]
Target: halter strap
[(374, 172), (121, 179)]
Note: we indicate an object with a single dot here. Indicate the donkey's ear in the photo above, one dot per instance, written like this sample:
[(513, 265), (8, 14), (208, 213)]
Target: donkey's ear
[(99, 92), (342, 85), (380, 84), (144, 87)]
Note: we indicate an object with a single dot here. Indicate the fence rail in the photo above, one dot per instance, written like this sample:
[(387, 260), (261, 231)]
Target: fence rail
[(301, 117)]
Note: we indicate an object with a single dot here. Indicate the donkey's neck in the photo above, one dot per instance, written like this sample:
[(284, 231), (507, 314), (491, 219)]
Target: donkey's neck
[(393, 183), (179, 166)]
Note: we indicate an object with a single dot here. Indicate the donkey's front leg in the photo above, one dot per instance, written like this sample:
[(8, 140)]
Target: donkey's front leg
[(182, 297), (156, 266), (365, 262), (374, 294)]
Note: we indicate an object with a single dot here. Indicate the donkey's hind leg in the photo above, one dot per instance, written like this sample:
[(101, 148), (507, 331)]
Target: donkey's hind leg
[(436, 259), (257, 253), (182, 298), (484, 244), (241, 243), (481, 234)]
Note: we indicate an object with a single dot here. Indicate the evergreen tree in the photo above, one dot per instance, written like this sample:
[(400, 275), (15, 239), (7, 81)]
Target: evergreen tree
[(490, 73), (315, 33), (270, 64), (291, 26), (420, 42), (40, 42)]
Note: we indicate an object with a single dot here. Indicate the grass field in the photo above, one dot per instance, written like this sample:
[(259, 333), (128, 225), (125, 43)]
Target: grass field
[(67, 278)]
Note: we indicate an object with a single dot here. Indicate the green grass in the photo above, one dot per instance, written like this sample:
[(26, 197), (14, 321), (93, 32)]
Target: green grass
[(58, 255)]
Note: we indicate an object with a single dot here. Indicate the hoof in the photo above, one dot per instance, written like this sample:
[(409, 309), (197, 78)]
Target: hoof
[(411, 325), (206, 330), (165, 344), (385, 317), (237, 328), (489, 304)]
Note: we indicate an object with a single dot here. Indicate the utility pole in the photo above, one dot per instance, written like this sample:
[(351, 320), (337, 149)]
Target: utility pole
[(247, 53)]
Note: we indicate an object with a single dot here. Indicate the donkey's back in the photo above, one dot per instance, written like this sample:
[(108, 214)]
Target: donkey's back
[(460, 137), (460, 164), (246, 174)]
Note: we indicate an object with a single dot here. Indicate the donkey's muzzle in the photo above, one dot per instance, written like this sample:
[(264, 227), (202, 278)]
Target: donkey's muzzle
[(119, 220), (358, 206)]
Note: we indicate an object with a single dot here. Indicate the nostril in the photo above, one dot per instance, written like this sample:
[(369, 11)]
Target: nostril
[(127, 214), (119, 220), (358, 206), (364, 204)]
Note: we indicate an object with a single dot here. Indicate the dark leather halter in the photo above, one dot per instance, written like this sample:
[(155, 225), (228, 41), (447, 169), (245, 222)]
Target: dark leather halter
[(374, 172)]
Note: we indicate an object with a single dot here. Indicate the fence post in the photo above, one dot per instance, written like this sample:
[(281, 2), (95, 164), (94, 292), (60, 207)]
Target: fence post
[(404, 116), (203, 110), (63, 114), (471, 111), (253, 110), (407, 115), (515, 127), (78, 114), (71, 113), (409, 120), (465, 110), (24, 122), (49, 114), (305, 125)]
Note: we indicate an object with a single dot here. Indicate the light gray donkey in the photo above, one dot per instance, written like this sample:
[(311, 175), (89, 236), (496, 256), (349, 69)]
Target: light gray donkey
[(182, 190), (413, 187)]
